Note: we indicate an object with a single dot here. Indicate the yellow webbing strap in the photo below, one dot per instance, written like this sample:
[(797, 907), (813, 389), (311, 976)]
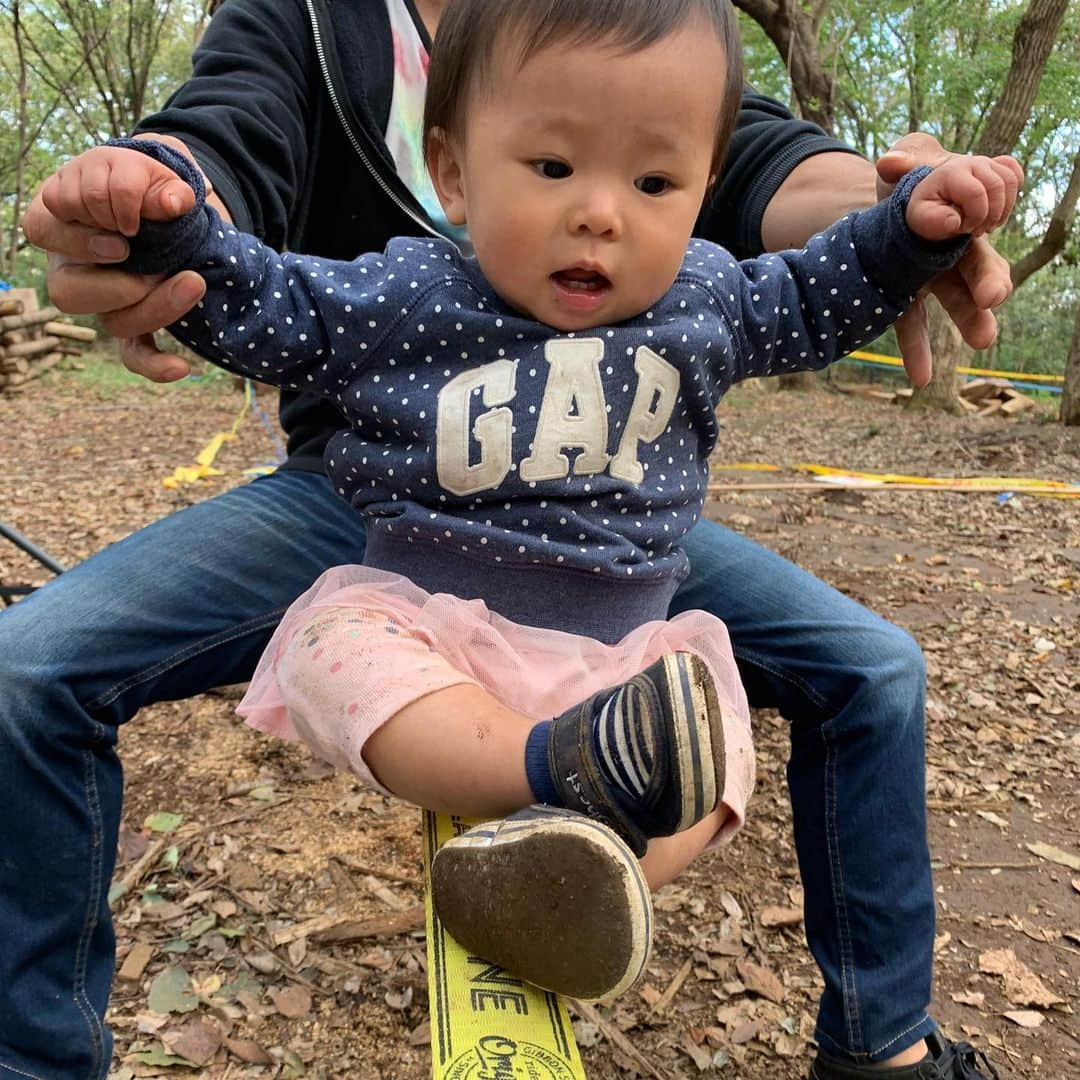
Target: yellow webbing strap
[(204, 459), (485, 1023)]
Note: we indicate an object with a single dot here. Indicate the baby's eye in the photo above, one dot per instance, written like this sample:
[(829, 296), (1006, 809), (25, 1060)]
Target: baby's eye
[(552, 170), (652, 185)]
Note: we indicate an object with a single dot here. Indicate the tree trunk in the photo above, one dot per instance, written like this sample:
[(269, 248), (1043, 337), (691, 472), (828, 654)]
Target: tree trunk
[(21, 142), (1070, 398), (801, 380), (948, 350), (794, 32), (1032, 42), (1052, 242)]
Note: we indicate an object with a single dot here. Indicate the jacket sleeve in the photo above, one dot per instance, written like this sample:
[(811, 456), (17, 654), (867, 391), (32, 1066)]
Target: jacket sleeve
[(802, 310), (283, 319), (767, 144), (244, 111)]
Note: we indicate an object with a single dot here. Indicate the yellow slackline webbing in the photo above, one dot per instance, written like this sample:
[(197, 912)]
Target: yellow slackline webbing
[(484, 1021), (204, 459), (1021, 485), (1021, 376)]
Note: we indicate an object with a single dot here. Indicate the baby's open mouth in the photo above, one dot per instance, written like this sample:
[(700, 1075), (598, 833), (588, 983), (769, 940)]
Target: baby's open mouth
[(577, 279)]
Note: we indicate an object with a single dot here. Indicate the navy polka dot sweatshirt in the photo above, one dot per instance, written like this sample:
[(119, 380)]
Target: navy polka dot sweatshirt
[(550, 474)]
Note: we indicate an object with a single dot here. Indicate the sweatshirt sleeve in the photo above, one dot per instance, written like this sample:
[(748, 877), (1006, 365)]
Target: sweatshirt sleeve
[(802, 310), (244, 111), (277, 318)]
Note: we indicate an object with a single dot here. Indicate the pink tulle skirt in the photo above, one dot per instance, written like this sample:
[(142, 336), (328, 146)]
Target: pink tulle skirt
[(361, 644)]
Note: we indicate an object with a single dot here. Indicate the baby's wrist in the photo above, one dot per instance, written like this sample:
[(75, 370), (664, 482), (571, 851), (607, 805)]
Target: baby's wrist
[(165, 247)]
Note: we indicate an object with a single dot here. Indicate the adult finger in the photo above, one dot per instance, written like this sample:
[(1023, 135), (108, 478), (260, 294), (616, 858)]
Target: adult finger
[(86, 289), (142, 357), (913, 337), (977, 325), (163, 305), (985, 273)]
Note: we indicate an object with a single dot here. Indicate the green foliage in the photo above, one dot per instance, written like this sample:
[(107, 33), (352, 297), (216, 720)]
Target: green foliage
[(91, 68), (939, 66)]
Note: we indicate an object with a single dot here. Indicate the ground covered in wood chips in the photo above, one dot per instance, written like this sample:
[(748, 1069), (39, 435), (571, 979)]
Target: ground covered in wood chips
[(239, 854)]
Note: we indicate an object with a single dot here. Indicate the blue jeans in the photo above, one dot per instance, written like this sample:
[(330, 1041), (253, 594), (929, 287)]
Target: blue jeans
[(189, 603)]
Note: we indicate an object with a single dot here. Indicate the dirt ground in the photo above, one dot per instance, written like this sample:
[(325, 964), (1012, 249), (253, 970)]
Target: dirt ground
[(270, 838)]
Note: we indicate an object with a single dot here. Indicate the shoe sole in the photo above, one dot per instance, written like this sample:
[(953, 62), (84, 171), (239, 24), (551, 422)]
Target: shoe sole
[(559, 901), (697, 736)]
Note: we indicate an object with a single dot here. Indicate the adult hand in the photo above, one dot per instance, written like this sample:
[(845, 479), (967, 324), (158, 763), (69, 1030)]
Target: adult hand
[(969, 292), (82, 280)]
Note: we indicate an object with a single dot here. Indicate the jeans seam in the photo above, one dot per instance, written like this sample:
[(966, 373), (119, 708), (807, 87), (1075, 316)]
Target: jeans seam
[(107, 697), (896, 1038), (19, 1072), (82, 1003), (792, 680), (847, 969)]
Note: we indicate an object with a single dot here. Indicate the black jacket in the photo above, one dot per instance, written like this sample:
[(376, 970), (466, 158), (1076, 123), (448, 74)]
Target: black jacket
[(285, 111)]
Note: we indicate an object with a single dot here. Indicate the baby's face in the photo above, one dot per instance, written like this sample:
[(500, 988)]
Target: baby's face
[(581, 174)]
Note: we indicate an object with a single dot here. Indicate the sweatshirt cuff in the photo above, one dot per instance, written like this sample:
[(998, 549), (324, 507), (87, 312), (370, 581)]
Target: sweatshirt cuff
[(895, 258), (166, 247)]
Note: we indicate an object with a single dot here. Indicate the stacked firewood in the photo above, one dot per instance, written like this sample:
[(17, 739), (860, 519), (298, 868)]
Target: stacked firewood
[(31, 340)]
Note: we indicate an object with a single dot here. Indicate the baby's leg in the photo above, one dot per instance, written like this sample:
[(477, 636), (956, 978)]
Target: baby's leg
[(669, 856), (369, 696)]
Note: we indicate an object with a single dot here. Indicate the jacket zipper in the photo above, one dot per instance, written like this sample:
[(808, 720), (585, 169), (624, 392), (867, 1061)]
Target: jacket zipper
[(354, 141)]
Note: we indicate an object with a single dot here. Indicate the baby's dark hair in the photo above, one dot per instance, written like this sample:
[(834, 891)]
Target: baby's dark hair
[(470, 31)]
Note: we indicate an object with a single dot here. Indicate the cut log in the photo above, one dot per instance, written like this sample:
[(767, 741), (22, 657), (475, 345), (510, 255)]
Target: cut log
[(14, 337), (983, 389), (1016, 404), (10, 305), (37, 370), (26, 297), (31, 318), (67, 330), (14, 365), (33, 348)]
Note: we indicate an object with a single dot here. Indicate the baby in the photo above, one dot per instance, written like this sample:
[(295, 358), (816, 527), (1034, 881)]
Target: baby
[(530, 425)]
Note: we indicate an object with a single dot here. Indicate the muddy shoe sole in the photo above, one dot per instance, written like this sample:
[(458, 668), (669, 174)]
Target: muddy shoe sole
[(552, 897)]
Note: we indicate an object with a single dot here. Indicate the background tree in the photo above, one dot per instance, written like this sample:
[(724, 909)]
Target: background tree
[(983, 78)]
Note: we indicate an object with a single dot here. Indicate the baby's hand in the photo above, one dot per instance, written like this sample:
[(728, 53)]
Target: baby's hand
[(112, 189), (964, 195)]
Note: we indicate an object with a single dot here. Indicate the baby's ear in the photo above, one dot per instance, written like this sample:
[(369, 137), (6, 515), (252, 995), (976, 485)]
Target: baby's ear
[(443, 156)]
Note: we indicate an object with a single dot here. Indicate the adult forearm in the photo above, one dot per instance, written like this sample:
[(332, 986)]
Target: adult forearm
[(817, 192)]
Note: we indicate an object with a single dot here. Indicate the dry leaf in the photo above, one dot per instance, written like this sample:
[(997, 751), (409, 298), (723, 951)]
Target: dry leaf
[(975, 998), (759, 980), (1022, 985), (1054, 854), (701, 1057), (780, 916), (248, 1050), (421, 1034), (745, 1032), (1026, 1018), (136, 960), (293, 1001), (197, 1040)]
